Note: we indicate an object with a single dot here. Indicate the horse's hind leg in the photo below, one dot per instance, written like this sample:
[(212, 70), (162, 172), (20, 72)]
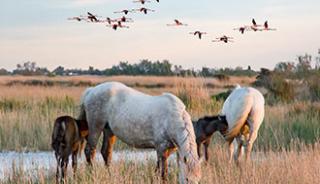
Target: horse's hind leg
[(108, 141), (231, 150), (90, 149), (252, 137), (238, 153)]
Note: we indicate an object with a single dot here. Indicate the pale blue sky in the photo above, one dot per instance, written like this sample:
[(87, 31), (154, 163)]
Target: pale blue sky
[(39, 31)]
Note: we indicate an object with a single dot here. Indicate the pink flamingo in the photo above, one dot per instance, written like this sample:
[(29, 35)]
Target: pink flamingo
[(199, 33), (124, 11), (224, 39), (141, 1), (124, 19), (242, 29), (266, 27), (92, 18), (177, 23), (144, 10), (77, 18), (118, 25)]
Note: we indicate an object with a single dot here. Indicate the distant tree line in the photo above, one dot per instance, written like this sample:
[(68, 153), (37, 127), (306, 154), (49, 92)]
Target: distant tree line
[(302, 68), (144, 67)]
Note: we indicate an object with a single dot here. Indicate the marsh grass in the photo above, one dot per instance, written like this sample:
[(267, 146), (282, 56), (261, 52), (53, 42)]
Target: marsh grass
[(27, 113), (297, 167)]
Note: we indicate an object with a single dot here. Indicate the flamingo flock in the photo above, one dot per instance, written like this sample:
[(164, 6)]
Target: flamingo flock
[(120, 22)]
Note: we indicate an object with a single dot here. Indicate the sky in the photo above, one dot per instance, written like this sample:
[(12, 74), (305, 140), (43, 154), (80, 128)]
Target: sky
[(38, 31)]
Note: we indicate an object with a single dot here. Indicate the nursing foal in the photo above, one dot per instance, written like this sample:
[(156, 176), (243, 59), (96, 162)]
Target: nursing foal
[(204, 129)]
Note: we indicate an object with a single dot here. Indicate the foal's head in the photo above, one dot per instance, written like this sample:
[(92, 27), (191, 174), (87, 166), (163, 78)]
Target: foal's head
[(210, 124)]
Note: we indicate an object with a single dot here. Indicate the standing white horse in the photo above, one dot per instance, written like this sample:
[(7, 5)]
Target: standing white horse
[(244, 111), (142, 121)]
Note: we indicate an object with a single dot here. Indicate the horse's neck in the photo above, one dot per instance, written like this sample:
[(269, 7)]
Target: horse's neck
[(186, 140)]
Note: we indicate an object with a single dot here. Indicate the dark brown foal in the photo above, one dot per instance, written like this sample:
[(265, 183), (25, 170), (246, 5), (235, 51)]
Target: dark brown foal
[(204, 129), (68, 138)]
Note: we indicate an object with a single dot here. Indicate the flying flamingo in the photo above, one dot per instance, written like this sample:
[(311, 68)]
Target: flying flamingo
[(144, 10), (177, 23), (109, 20), (92, 18), (124, 11), (266, 27), (76, 18), (254, 25), (224, 39), (124, 19), (199, 33), (141, 1), (118, 25), (242, 29)]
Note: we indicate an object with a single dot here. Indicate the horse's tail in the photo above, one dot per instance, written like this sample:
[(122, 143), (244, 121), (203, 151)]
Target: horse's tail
[(58, 133), (82, 111), (241, 117)]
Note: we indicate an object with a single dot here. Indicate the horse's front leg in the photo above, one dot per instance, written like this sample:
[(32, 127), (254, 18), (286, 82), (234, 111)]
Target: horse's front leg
[(107, 145)]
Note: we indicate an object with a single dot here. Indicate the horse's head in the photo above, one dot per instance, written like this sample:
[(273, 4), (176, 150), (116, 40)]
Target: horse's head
[(190, 169)]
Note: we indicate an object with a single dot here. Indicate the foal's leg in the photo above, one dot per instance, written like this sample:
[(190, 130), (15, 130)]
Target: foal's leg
[(199, 149), (58, 169), (74, 161), (108, 141), (206, 151), (64, 166)]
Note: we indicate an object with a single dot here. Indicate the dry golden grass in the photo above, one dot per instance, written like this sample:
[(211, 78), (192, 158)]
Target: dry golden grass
[(282, 167)]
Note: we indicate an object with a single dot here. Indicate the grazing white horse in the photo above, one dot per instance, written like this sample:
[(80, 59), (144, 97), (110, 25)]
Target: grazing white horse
[(143, 121), (244, 111)]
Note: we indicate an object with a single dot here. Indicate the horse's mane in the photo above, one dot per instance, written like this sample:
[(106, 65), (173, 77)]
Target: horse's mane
[(188, 144)]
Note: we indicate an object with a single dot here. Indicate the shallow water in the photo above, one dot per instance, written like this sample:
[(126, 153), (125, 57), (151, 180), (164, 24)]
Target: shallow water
[(32, 162)]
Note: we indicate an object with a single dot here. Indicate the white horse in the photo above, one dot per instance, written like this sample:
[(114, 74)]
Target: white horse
[(142, 121), (244, 111)]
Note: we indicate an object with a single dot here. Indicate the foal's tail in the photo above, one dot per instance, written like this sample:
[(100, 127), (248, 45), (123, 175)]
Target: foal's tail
[(240, 118)]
